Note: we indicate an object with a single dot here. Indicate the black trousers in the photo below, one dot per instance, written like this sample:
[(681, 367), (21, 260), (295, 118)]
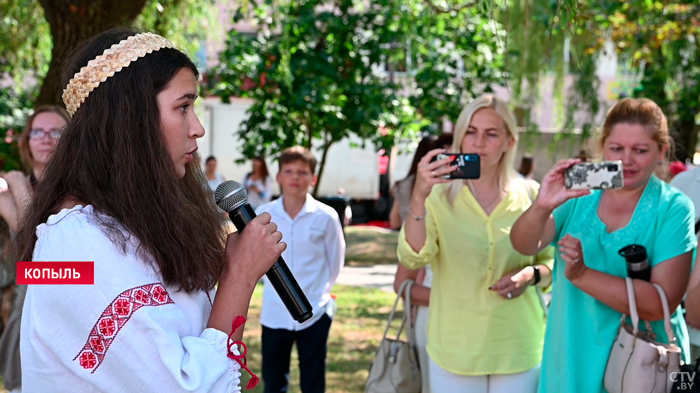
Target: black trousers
[(312, 345)]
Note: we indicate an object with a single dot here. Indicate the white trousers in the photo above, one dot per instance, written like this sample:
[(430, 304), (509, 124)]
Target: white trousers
[(422, 315), (442, 380)]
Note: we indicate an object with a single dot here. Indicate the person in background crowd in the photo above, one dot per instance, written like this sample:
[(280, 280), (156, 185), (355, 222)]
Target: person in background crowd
[(589, 227), (689, 183), (258, 183), (316, 255), (674, 168), (420, 293), (583, 156), (486, 329), (527, 167), (692, 312), (213, 177), (36, 146), (402, 189), (444, 141)]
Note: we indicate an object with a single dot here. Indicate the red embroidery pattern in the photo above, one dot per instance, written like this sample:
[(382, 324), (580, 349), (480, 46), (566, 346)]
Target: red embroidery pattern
[(113, 319)]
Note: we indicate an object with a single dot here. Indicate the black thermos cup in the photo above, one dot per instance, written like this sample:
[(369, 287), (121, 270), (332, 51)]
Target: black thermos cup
[(637, 263)]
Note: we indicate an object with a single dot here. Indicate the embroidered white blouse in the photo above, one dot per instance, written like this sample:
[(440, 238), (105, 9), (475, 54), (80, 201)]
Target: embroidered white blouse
[(126, 333)]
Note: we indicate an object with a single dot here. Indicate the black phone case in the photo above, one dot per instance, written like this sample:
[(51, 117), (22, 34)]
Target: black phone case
[(469, 165)]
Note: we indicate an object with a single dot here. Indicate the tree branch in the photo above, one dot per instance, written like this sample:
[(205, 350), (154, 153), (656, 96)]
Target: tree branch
[(459, 8)]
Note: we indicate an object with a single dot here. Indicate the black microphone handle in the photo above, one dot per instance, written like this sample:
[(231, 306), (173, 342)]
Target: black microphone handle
[(279, 274)]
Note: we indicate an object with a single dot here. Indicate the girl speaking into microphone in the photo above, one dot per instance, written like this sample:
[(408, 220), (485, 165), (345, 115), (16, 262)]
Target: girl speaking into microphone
[(121, 190)]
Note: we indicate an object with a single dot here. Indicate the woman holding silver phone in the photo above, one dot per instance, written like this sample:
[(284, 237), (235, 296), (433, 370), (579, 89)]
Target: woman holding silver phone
[(486, 325), (589, 227)]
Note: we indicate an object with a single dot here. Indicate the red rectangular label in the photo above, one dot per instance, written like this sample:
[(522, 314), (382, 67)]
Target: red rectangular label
[(77, 273)]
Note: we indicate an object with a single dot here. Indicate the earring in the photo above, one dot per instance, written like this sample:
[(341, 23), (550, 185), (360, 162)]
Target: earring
[(661, 162)]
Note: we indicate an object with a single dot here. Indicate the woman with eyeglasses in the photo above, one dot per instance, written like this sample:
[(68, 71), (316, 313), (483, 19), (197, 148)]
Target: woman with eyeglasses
[(36, 146)]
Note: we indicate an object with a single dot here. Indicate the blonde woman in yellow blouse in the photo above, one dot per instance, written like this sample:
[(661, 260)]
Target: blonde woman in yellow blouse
[(486, 326)]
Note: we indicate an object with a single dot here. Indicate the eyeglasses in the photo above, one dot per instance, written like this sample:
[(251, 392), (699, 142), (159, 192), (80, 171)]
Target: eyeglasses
[(53, 133)]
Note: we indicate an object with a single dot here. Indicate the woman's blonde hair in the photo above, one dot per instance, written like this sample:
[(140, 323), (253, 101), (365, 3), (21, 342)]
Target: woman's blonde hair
[(506, 172), (641, 111)]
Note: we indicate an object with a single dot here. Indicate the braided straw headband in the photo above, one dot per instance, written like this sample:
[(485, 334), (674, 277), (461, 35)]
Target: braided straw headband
[(111, 61)]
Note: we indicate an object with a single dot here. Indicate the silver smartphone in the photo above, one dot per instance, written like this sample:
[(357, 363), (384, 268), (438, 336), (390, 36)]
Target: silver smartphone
[(594, 175)]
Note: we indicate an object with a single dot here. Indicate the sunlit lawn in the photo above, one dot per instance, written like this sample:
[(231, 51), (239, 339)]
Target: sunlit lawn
[(355, 335), (367, 246)]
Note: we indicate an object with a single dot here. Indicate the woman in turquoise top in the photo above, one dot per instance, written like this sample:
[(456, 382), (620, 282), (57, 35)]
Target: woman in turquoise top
[(588, 229)]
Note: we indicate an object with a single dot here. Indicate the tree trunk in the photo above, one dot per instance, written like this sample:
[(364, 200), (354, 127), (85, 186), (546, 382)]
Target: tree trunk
[(73, 21), (685, 139), (322, 165)]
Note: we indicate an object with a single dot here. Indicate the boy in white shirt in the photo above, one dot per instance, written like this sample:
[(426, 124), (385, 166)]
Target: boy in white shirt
[(315, 255)]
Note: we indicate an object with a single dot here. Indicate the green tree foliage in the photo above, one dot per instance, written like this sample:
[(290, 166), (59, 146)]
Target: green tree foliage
[(25, 51), (458, 54), (312, 71), (36, 35), (658, 40), (560, 39), (320, 71), (662, 40)]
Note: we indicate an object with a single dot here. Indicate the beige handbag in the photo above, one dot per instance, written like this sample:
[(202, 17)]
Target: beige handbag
[(395, 368), (637, 362)]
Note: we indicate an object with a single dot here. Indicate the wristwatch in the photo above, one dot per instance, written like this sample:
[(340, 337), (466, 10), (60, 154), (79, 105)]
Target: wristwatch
[(537, 274)]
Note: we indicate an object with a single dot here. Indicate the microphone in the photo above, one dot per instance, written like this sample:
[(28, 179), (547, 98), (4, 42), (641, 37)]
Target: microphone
[(232, 197)]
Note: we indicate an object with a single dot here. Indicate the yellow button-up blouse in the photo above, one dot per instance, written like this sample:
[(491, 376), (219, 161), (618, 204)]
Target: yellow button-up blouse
[(472, 330)]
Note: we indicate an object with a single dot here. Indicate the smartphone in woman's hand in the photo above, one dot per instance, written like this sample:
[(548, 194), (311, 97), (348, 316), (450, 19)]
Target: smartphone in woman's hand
[(594, 175), (468, 165)]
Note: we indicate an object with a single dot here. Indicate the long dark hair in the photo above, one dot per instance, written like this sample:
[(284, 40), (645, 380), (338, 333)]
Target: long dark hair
[(265, 172), (526, 165), (424, 146), (113, 156)]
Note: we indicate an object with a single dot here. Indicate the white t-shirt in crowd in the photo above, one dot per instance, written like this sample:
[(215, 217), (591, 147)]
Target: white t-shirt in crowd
[(689, 183), (256, 199), (128, 332), (218, 179)]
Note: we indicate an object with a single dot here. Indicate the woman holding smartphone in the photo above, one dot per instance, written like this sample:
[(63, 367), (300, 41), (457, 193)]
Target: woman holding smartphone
[(486, 326), (589, 228)]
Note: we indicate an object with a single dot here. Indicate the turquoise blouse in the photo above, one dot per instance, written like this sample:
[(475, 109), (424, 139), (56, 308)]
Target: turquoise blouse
[(581, 330)]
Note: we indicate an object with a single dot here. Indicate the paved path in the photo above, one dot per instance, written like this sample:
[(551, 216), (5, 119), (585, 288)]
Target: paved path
[(377, 276)]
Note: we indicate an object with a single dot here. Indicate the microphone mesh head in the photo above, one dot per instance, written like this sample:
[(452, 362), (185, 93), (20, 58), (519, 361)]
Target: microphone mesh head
[(230, 195)]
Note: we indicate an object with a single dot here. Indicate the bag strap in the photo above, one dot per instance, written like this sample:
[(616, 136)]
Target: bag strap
[(635, 316), (633, 306), (407, 317), (667, 314), (405, 287)]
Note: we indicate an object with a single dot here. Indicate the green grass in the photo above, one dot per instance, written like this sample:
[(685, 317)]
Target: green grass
[(368, 246), (355, 335)]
